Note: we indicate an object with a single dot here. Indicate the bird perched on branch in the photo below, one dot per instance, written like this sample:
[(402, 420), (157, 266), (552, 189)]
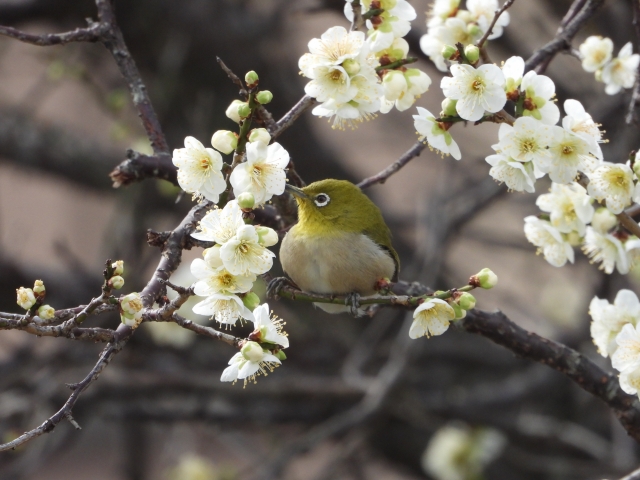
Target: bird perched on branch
[(340, 245)]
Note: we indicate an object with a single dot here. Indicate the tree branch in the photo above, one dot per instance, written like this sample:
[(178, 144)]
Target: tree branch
[(139, 167), (292, 115), (382, 176), (90, 34), (499, 12)]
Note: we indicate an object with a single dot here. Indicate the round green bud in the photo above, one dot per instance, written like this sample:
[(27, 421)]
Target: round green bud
[(260, 135), (116, 282), (46, 312), (246, 200), (251, 301), (232, 110), (351, 66), (251, 79), (485, 278), (449, 51), (118, 267), (449, 108), (38, 287), (474, 30), (244, 110), (263, 97), (267, 236), (467, 301), (458, 310), (252, 352), (280, 355), (472, 53)]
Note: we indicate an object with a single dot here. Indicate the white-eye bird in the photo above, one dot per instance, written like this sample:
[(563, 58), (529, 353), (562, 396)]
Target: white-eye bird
[(340, 245)]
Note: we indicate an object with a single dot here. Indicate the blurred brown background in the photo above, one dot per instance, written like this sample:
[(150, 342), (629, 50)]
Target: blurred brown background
[(66, 121)]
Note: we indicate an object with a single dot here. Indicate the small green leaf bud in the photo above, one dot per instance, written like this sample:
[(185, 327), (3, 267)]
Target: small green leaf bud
[(224, 141), (474, 30), (449, 108), (603, 220), (280, 355), (252, 352), (232, 111), (485, 278), (260, 135), (467, 301), (118, 267), (449, 51), (244, 110), (267, 236), (246, 200), (264, 97), (351, 66), (251, 301), (472, 53), (251, 79), (458, 310), (38, 288), (46, 312), (116, 282), (25, 298)]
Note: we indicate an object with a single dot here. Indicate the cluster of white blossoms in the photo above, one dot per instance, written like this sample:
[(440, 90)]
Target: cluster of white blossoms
[(616, 72), (449, 24), (614, 329), (354, 75)]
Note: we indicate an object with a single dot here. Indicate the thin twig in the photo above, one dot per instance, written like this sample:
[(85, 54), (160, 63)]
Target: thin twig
[(138, 167), (635, 96), (384, 175), (292, 115), (90, 34), (499, 12)]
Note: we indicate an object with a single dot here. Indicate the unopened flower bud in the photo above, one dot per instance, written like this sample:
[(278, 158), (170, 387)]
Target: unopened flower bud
[(46, 312), (251, 79), (251, 301), (118, 267), (132, 321), (449, 51), (351, 66), (246, 200), (263, 97), (573, 238), (466, 301), (224, 141), (232, 110), (131, 305), (472, 53), (603, 220), (260, 135), (449, 108), (458, 310), (26, 298), (267, 236), (252, 352), (280, 355), (116, 282), (474, 30), (485, 278), (38, 287), (636, 165), (394, 85), (244, 110), (212, 256), (598, 75)]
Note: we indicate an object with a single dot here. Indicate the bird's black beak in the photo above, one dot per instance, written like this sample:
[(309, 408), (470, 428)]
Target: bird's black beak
[(295, 191)]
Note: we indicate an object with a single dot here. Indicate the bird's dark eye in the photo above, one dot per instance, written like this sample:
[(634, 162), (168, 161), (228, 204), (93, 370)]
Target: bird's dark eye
[(321, 199)]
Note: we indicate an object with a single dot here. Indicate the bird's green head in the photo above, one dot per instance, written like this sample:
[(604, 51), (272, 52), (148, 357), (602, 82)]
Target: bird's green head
[(335, 205)]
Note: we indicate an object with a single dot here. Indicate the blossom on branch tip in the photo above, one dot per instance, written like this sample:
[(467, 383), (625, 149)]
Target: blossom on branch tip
[(39, 288), (220, 225), (268, 327), (569, 207), (613, 183), (620, 72), (607, 250), (131, 307), (578, 121), (550, 242), (25, 298), (609, 318), (232, 110), (250, 362), (476, 89), (46, 312), (595, 51), (224, 308), (432, 317), (118, 267), (434, 133), (199, 170)]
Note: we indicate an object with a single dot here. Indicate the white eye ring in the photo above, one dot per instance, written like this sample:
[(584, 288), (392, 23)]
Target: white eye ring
[(321, 199)]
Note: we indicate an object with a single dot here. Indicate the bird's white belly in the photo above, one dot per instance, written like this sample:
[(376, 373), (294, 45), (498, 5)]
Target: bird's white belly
[(336, 264)]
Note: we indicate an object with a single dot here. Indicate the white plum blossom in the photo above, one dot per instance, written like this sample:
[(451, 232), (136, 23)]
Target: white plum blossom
[(403, 88), (603, 220), (630, 381), (440, 10), (525, 141), (627, 355), (25, 298), (518, 176), (569, 207), (199, 170), (568, 154), (432, 317), (580, 122), (131, 308), (225, 308), (613, 183), (243, 254), (550, 242), (483, 12), (435, 134), (476, 89), (595, 51), (263, 173), (250, 362), (621, 71), (452, 31), (609, 318), (396, 22), (632, 247), (513, 70), (268, 328), (220, 225), (332, 48), (607, 250), (538, 103), (214, 278)]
